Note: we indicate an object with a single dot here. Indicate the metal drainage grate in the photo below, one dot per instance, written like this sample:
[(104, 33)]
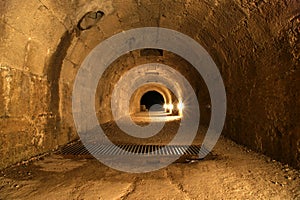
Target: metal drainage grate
[(168, 150)]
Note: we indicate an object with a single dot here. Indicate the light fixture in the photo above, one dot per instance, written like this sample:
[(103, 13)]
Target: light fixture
[(180, 106), (165, 106)]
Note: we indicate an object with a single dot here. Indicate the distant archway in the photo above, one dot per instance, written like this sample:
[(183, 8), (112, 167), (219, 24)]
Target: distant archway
[(151, 98)]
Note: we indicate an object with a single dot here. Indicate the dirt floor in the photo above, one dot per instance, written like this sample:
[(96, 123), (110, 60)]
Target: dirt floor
[(230, 172)]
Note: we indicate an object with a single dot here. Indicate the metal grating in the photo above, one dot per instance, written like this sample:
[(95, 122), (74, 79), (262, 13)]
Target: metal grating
[(110, 150)]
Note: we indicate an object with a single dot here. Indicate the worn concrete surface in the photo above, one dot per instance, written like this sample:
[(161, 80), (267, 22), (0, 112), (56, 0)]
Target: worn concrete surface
[(231, 172)]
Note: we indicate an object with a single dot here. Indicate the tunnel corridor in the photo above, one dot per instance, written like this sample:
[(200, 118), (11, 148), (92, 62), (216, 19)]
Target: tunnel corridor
[(220, 78), (152, 98)]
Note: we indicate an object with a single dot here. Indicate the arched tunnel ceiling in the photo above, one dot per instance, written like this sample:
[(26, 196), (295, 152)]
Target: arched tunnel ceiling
[(141, 66), (224, 28), (254, 43)]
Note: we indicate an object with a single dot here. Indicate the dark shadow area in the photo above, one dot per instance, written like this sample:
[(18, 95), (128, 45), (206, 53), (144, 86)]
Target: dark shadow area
[(152, 98)]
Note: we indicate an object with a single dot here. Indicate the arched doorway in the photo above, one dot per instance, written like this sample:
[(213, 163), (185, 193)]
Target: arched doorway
[(150, 99)]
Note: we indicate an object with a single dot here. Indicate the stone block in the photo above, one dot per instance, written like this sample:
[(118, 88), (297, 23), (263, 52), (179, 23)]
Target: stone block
[(35, 58)]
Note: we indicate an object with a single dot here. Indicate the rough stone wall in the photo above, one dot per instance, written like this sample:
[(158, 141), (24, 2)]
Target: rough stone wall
[(30, 45), (35, 37), (255, 44), (262, 80)]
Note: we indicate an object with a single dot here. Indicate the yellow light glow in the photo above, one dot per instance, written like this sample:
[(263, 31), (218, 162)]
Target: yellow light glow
[(180, 106), (165, 106)]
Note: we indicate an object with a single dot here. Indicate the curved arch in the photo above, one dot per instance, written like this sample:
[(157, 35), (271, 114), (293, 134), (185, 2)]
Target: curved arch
[(169, 97), (168, 77)]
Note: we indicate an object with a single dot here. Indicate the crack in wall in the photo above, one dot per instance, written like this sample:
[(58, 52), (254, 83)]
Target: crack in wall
[(56, 17)]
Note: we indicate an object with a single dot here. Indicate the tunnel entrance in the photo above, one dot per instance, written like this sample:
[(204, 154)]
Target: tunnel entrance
[(152, 98)]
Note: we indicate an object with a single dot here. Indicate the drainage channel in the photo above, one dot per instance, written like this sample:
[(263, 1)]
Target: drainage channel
[(127, 149)]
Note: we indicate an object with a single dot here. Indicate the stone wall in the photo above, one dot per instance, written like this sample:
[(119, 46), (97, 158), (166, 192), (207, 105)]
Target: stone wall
[(29, 117)]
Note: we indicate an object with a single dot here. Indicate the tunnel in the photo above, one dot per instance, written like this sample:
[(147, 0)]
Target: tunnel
[(76, 78), (152, 98)]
